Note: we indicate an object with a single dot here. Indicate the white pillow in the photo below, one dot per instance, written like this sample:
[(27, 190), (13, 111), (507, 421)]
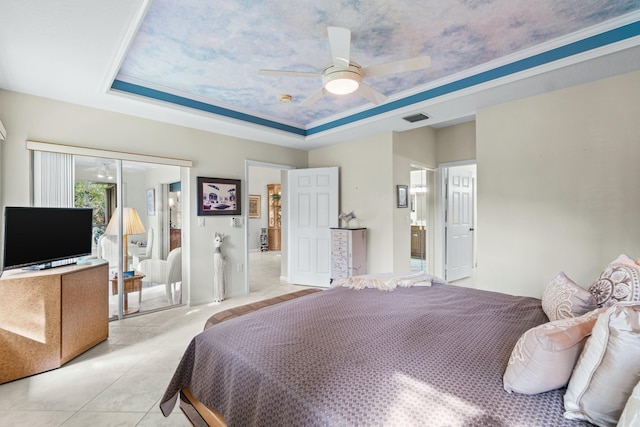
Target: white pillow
[(631, 414), (620, 281), (608, 368), (544, 356), (388, 281), (562, 299)]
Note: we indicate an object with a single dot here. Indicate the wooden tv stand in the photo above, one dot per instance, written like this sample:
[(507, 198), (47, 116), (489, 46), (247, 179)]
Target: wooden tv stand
[(48, 317)]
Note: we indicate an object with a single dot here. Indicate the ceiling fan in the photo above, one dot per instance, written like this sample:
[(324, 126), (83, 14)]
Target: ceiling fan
[(344, 76)]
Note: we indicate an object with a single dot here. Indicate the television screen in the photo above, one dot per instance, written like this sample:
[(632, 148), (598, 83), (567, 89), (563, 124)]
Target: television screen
[(37, 236)]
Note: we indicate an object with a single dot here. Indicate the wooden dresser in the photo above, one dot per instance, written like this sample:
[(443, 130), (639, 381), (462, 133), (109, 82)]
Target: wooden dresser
[(274, 216), (418, 241), (49, 317), (175, 238)]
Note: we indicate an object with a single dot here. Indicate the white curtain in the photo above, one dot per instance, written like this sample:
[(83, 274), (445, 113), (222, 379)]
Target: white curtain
[(53, 179)]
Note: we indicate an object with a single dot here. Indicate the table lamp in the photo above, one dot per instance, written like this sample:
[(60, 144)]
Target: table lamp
[(131, 225)]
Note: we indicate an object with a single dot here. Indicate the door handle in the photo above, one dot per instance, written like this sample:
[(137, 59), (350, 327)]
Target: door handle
[(472, 229)]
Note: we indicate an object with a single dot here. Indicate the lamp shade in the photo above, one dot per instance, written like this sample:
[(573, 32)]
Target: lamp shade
[(131, 223)]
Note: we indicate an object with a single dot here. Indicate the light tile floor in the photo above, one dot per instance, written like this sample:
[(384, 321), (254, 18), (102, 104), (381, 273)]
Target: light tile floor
[(120, 381)]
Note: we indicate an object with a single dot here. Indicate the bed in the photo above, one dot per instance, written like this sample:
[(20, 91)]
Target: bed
[(410, 356)]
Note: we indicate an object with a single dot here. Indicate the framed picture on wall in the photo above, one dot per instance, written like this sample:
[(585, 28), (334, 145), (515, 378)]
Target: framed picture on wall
[(218, 196), (254, 206), (403, 196), (151, 201)]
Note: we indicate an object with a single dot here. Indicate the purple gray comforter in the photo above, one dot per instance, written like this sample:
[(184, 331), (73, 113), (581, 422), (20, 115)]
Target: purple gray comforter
[(421, 356)]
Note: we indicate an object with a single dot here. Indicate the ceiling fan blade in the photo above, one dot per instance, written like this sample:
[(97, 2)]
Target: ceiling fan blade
[(340, 43), (288, 73), (417, 63), (313, 98), (371, 94)]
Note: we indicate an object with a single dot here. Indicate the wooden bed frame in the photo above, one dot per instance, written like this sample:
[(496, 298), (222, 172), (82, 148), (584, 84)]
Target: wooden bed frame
[(198, 413)]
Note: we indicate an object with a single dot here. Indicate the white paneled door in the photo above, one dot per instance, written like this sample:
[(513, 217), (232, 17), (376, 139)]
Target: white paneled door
[(459, 224), (313, 210)]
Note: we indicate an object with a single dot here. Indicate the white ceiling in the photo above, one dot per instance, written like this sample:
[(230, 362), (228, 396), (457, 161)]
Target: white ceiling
[(203, 57)]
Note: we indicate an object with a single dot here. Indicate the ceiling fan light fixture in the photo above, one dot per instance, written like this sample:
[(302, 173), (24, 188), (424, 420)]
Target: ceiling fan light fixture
[(344, 76), (342, 82), (342, 86), (104, 171)]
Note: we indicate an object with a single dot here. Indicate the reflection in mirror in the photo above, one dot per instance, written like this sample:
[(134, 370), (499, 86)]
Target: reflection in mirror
[(421, 213), (154, 192)]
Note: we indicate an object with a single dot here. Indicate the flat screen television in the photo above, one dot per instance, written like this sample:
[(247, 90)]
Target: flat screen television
[(38, 237)]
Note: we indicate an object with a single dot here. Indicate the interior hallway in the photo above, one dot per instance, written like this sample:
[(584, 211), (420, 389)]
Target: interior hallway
[(264, 270)]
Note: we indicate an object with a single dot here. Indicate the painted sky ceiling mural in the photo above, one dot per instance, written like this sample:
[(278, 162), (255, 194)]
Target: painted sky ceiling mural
[(206, 54)]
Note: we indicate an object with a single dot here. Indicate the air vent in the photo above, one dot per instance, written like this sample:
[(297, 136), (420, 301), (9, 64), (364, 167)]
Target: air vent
[(416, 118)]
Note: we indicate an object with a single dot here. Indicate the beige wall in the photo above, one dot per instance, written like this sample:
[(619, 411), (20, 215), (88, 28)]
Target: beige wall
[(456, 143), (370, 169), (558, 178), (32, 118), (419, 145), (366, 184), (415, 147)]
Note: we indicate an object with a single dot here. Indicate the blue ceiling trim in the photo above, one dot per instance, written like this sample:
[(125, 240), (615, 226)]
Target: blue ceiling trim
[(202, 106), (584, 45), (589, 43)]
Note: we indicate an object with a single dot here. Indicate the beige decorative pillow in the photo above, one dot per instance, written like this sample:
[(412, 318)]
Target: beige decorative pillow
[(545, 355), (631, 414), (608, 368), (562, 299), (620, 281)]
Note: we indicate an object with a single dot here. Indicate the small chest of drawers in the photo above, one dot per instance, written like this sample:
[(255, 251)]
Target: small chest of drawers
[(348, 252)]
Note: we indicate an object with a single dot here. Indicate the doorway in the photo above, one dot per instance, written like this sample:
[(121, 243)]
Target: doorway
[(459, 213), (174, 201), (421, 205), (142, 185), (299, 209), (265, 234)]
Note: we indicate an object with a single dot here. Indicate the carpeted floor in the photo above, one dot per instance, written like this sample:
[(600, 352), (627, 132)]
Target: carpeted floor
[(248, 308)]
